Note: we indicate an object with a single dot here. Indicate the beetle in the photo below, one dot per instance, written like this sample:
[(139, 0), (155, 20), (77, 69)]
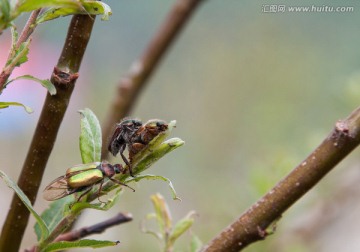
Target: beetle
[(144, 135), (122, 137), (81, 178)]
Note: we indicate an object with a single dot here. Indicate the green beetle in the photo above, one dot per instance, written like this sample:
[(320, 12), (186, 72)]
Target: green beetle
[(81, 178)]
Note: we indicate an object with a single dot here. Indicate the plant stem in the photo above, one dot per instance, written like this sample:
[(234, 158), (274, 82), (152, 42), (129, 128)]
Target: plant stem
[(63, 77), (251, 226), (141, 70), (29, 28), (25, 34)]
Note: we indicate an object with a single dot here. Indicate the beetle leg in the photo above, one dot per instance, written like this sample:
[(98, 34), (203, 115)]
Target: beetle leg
[(120, 183), (87, 189), (100, 188), (125, 160)]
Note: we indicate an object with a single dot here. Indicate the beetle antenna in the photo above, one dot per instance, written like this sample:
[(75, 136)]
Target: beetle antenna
[(120, 183)]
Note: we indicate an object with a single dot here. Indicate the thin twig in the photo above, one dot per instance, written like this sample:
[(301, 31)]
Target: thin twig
[(25, 34), (74, 235), (29, 28), (63, 77), (98, 228), (130, 87), (252, 225)]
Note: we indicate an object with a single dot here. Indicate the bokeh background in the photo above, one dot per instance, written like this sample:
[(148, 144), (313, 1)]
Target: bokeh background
[(253, 94)]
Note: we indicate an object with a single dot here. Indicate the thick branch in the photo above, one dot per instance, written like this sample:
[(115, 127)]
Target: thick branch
[(130, 87), (63, 77), (251, 226)]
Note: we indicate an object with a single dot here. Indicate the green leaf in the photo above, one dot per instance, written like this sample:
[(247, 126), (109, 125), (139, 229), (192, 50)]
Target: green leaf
[(181, 227), (7, 104), (155, 177), (86, 8), (54, 13), (153, 233), (78, 206), (158, 140), (54, 214), (4, 14), (22, 53), (97, 8), (56, 246), (144, 229), (5, 9), (154, 151), (45, 83), (30, 5), (10, 183), (162, 213), (19, 56), (14, 38), (90, 137), (196, 244)]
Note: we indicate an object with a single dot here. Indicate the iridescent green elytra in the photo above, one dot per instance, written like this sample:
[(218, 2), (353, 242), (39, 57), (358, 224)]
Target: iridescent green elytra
[(81, 178)]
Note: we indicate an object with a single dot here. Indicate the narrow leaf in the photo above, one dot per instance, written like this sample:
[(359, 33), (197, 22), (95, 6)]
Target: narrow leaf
[(181, 227), (87, 8), (53, 215), (30, 5), (14, 38), (145, 230), (4, 14), (19, 55), (153, 153), (196, 244), (7, 104), (22, 53), (78, 206), (90, 137), (85, 243), (155, 177), (45, 83), (162, 212), (10, 183), (158, 140), (97, 8)]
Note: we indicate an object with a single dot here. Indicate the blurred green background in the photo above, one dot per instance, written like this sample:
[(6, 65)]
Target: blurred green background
[(253, 94)]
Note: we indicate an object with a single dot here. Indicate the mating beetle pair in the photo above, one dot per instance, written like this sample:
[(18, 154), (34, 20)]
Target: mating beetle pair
[(81, 178), (132, 134)]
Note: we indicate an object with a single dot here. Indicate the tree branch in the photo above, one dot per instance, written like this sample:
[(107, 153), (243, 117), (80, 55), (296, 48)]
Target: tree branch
[(98, 228), (130, 87), (251, 226), (63, 77), (74, 235)]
